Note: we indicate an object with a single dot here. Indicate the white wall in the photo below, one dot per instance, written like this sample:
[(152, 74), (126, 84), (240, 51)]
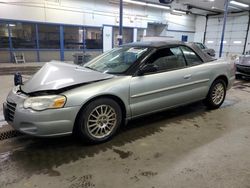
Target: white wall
[(200, 27), (93, 13), (175, 26), (107, 38), (98, 13), (235, 33)]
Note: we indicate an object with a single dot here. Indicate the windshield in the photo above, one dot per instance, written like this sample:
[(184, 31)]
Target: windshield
[(117, 60)]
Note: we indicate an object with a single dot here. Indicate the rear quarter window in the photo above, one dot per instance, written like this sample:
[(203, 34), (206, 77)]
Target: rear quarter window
[(191, 57)]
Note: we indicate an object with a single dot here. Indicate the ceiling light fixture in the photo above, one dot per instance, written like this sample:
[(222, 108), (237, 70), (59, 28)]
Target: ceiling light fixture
[(158, 6), (135, 2), (146, 4), (239, 4), (237, 42), (179, 11)]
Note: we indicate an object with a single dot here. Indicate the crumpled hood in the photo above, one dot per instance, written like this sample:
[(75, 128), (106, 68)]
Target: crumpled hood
[(244, 60), (58, 75)]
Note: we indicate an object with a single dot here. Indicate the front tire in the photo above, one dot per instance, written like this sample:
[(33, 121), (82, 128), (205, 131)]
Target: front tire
[(99, 121), (216, 94)]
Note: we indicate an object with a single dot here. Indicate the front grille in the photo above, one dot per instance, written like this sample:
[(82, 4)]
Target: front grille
[(243, 69), (9, 134), (11, 107)]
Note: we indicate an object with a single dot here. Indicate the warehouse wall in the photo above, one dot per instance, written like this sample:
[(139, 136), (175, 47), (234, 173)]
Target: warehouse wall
[(235, 33), (200, 28), (93, 13), (97, 13)]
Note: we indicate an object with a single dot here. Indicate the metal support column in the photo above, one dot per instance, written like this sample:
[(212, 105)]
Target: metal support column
[(10, 43), (61, 43), (224, 26), (205, 33), (84, 34), (120, 23), (37, 45), (248, 25)]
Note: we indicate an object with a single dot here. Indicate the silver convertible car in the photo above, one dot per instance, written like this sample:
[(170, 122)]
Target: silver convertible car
[(133, 80)]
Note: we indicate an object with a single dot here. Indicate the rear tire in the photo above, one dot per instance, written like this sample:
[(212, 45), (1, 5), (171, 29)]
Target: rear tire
[(216, 94), (98, 121)]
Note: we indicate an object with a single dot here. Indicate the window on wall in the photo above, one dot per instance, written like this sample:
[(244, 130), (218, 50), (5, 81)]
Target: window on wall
[(140, 33), (93, 38), (4, 35), (127, 35), (73, 37), (49, 36), (23, 35)]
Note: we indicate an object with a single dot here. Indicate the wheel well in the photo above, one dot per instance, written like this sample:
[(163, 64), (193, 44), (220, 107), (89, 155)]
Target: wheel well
[(224, 78), (115, 98)]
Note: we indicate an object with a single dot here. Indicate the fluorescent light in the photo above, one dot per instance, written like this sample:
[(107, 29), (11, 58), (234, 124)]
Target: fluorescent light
[(239, 4), (146, 4), (179, 11), (237, 42), (158, 6), (210, 42), (12, 25), (135, 2), (224, 42)]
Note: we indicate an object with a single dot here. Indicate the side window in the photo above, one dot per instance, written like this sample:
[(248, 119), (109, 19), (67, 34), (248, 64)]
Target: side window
[(168, 59), (190, 56), (200, 45)]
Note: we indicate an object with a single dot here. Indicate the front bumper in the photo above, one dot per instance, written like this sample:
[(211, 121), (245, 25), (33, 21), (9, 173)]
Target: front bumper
[(52, 122), (243, 70)]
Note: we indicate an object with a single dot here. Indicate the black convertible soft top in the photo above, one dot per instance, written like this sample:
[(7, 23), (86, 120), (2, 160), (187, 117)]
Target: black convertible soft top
[(161, 44)]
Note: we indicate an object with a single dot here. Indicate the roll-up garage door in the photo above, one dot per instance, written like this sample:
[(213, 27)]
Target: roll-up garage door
[(235, 34)]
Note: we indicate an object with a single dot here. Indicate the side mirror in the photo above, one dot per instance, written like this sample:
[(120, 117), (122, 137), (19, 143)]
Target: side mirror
[(148, 68), (18, 79)]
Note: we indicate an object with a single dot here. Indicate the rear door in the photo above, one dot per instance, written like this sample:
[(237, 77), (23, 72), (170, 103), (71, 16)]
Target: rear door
[(199, 72)]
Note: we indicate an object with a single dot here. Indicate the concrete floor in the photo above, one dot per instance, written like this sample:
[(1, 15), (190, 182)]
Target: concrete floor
[(185, 147)]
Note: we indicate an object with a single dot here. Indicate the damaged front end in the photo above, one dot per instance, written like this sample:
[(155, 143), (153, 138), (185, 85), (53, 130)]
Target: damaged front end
[(38, 106), (55, 76)]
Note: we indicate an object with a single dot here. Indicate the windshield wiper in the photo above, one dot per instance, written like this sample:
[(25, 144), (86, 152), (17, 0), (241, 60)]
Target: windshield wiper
[(89, 68)]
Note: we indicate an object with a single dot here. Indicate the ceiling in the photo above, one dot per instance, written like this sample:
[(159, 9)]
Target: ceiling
[(205, 6)]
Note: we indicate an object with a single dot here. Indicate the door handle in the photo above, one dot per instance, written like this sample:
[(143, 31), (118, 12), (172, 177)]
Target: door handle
[(187, 76)]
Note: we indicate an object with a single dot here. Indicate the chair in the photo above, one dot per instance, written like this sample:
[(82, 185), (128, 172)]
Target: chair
[(19, 57)]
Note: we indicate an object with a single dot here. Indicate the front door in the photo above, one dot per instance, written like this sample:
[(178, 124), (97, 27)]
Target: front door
[(165, 88)]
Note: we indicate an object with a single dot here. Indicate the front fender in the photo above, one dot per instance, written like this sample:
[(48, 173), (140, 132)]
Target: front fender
[(117, 87)]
